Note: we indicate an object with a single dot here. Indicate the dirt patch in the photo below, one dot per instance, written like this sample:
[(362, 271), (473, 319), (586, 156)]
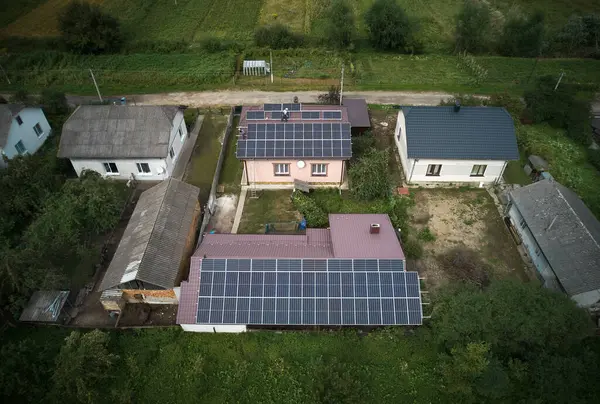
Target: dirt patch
[(140, 314), (222, 220), (463, 218)]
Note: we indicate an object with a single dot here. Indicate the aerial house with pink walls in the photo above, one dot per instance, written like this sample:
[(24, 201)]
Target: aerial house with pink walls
[(279, 144)]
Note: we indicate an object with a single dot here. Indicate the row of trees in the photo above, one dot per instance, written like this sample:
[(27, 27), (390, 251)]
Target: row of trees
[(482, 29)]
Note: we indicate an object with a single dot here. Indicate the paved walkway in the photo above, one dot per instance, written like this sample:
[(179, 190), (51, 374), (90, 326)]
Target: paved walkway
[(239, 211), (188, 149)]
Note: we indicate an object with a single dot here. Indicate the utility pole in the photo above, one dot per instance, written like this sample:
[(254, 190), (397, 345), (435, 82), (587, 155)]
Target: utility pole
[(5, 75), (559, 79), (271, 64), (342, 86), (96, 84)]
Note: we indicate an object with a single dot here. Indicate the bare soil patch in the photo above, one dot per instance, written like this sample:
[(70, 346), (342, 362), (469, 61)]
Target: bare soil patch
[(463, 219), (222, 220)]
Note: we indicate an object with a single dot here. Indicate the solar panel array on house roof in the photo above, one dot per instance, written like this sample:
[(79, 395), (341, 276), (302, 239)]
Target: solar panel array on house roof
[(308, 292), (255, 115), (322, 140), (281, 107)]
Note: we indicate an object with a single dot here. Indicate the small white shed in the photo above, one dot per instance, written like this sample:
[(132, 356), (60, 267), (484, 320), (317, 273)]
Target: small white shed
[(256, 68)]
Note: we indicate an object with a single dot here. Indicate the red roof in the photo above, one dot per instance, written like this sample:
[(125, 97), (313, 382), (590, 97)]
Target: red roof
[(348, 237), (295, 116)]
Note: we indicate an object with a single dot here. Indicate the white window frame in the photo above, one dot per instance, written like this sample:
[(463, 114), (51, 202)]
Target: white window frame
[(433, 170), (108, 169), (180, 131), (20, 145), (478, 170), (19, 120), (35, 129), (172, 153), (399, 135), (140, 168), (281, 169), (318, 170)]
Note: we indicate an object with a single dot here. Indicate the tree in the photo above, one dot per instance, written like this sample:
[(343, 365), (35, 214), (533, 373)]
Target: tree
[(21, 96), (389, 27), (85, 28), (473, 27), (369, 178), (331, 97), (54, 102), (523, 35), (340, 24), (578, 33), (82, 366), (276, 36)]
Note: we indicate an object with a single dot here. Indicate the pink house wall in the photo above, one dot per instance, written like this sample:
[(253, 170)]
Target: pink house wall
[(263, 172)]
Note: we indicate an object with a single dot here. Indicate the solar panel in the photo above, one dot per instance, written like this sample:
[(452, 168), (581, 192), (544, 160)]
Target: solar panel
[(311, 114), (250, 115), (308, 292), (332, 114), (272, 107), (300, 140)]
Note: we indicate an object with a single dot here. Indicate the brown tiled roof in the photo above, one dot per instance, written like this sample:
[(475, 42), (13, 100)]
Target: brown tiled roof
[(351, 237)]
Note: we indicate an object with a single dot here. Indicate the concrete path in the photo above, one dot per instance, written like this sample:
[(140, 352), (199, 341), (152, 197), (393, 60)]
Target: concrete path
[(239, 211), (229, 97), (188, 148)]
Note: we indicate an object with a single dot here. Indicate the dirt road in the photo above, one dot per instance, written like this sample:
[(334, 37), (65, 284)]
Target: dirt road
[(227, 97)]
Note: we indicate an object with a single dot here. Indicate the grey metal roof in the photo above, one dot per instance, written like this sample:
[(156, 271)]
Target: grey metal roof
[(476, 133), (45, 306), (117, 131), (358, 112), (154, 241), (7, 114), (566, 230)]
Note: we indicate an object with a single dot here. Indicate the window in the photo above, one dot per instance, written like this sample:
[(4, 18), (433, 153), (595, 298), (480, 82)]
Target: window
[(434, 170), (20, 147), (171, 152), (478, 170), (282, 169), (111, 168), (319, 169), (38, 130), (143, 168), (523, 223), (19, 120), (399, 133)]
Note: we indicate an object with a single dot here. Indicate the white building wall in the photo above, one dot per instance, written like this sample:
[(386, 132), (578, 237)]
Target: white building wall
[(126, 167), (25, 132), (400, 139), (234, 328), (176, 141)]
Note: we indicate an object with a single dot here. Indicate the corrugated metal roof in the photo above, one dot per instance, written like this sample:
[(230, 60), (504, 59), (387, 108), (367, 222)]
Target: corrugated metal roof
[(477, 133), (117, 131), (153, 244), (7, 114), (45, 306), (351, 237), (566, 231), (358, 112)]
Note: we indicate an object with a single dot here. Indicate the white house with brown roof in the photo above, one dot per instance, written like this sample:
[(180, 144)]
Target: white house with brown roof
[(124, 141)]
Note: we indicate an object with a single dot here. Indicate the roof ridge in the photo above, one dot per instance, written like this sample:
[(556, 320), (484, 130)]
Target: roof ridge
[(574, 212)]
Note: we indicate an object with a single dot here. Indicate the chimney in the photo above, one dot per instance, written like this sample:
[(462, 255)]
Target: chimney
[(456, 105), (374, 228)]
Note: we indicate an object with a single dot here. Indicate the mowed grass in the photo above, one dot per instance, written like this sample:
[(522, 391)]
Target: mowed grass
[(269, 207)]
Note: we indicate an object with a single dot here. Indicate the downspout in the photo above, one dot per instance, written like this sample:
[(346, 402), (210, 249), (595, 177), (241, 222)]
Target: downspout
[(412, 171), (247, 174), (501, 173), (342, 176)]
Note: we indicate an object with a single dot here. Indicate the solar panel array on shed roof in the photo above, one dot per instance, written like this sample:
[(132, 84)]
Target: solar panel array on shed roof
[(307, 292), (321, 140)]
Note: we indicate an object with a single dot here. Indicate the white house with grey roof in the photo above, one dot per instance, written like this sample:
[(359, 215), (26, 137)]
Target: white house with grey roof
[(455, 144), (23, 130), (124, 141), (562, 237)]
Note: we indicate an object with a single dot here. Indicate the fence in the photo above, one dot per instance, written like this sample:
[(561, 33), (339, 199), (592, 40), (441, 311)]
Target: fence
[(210, 206)]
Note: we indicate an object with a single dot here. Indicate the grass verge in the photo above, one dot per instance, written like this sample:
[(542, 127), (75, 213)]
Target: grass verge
[(270, 207), (231, 172)]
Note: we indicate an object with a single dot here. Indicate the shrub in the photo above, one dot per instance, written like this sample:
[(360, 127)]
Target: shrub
[(412, 248), (473, 26), (522, 35), (331, 97), (390, 28), (369, 178), (213, 45), (85, 28), (21, 96), (426, 235), (314, 215), (361, 144), (277, 36), (340, 24), (54, 102)]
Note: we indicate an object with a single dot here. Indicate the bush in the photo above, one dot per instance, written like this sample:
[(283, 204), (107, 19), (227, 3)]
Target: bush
[(331, 97), (412, 248), (473, 27), (21, 96), (277, 36), (522, 35), (426, 235), (213, 45), (594, 158), (54, 102), (389, 27), (314, 215), (369, 178), (361, 144), (340, 24), (85, 28)]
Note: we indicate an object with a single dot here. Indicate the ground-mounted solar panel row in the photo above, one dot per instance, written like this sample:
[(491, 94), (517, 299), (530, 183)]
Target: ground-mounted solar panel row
[(303, 265)]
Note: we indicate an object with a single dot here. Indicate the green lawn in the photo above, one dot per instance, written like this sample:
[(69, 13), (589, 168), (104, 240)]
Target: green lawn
[(269, 207), (231, 172), (514, 173), (202, 165)]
